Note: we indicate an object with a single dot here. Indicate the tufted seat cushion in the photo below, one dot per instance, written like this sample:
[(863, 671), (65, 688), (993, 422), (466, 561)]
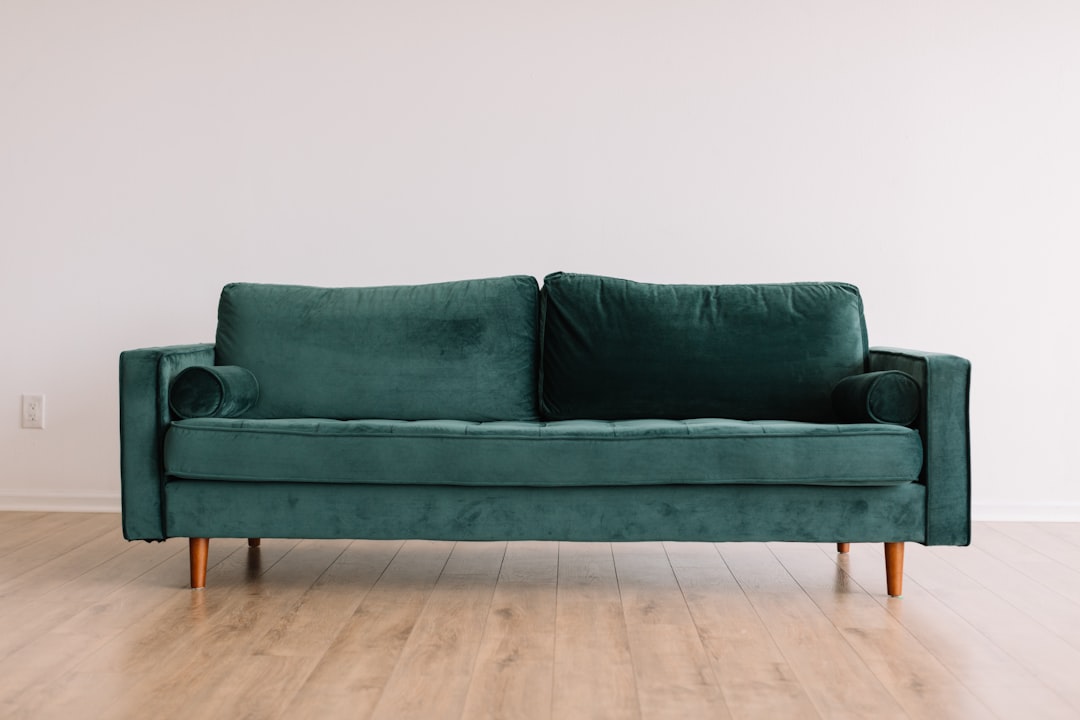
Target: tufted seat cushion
[(552, 454)]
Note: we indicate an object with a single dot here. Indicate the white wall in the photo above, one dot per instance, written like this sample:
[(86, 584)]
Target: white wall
[(151, 152)]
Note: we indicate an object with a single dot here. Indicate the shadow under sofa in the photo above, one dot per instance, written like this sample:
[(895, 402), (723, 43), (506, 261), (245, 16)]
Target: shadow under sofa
[(592, 409)]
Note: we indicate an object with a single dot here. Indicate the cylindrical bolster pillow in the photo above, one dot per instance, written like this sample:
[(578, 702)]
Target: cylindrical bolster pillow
[(213, 391), (888, 396)]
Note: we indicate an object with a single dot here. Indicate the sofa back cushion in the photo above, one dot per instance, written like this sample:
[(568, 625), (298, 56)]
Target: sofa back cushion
[(461, 350), (615, 349)]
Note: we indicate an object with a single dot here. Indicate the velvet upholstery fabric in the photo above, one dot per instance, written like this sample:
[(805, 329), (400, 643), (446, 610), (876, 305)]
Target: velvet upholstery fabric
[(438, 512), (568, 453), (934, 509), (887, 396), (615, 349), (213, 391), (945, 381), (145, 376), (463, 350)]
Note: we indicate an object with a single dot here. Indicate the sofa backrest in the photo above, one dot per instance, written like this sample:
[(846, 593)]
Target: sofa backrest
[(464, 350), (616, 349)]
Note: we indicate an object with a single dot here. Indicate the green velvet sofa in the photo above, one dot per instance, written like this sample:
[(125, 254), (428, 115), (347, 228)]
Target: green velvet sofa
[(591, 409)]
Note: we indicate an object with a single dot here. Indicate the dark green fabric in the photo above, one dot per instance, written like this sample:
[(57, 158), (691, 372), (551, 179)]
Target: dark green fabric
[(615, 349), (437, 512), (464, 350), (660, 455), (887, 396), (213, 391), (145, 376), (945, 381), (569, 453)]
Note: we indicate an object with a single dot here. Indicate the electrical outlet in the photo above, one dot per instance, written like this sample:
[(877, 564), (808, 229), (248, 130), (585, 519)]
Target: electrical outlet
[(33, 411)]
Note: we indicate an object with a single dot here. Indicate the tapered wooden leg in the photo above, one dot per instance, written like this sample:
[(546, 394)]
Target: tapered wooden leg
[(198, 550), (843, 547), (254, 542), (894, 568)]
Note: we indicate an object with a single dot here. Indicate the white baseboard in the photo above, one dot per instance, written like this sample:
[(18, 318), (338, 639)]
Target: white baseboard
[(40, 502), (1027, 512)]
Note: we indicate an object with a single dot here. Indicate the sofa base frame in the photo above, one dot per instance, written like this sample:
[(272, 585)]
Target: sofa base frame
[(198, 550)]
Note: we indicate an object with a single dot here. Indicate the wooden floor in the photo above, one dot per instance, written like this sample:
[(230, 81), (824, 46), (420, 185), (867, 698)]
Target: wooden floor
[(92, 626)]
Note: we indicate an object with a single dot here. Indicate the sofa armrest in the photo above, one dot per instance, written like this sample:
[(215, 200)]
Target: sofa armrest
[(144, 416), (945, 381)]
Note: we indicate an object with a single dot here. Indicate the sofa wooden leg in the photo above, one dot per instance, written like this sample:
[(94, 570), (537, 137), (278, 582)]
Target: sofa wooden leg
[(198, 550), (843, 547), (254, 542), (894, 568)]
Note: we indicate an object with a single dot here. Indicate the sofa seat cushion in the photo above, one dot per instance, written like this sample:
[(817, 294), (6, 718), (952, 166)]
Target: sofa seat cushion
[(542, 454)]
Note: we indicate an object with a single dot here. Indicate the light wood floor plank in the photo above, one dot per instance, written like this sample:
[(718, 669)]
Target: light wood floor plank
[(1052, 541), (311, 625), (1007, 687), (977, 596), (836, 678), (258, 685), (50, 628), (196, 677), (594, 672), (50, 546), (74, 626), (1018, 575), (170, 633), (157, 638), (94, 627), (1069, 532), (918, 681), (42, 526), (754, 676), (65, 599), (12, 520), (143, 664), (66, 567), (431, 679), (672, 672), (514, 669), (349, 678)]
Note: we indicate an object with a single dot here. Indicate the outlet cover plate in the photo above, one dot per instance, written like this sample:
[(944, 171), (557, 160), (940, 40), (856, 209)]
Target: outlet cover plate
[(33, 411)]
